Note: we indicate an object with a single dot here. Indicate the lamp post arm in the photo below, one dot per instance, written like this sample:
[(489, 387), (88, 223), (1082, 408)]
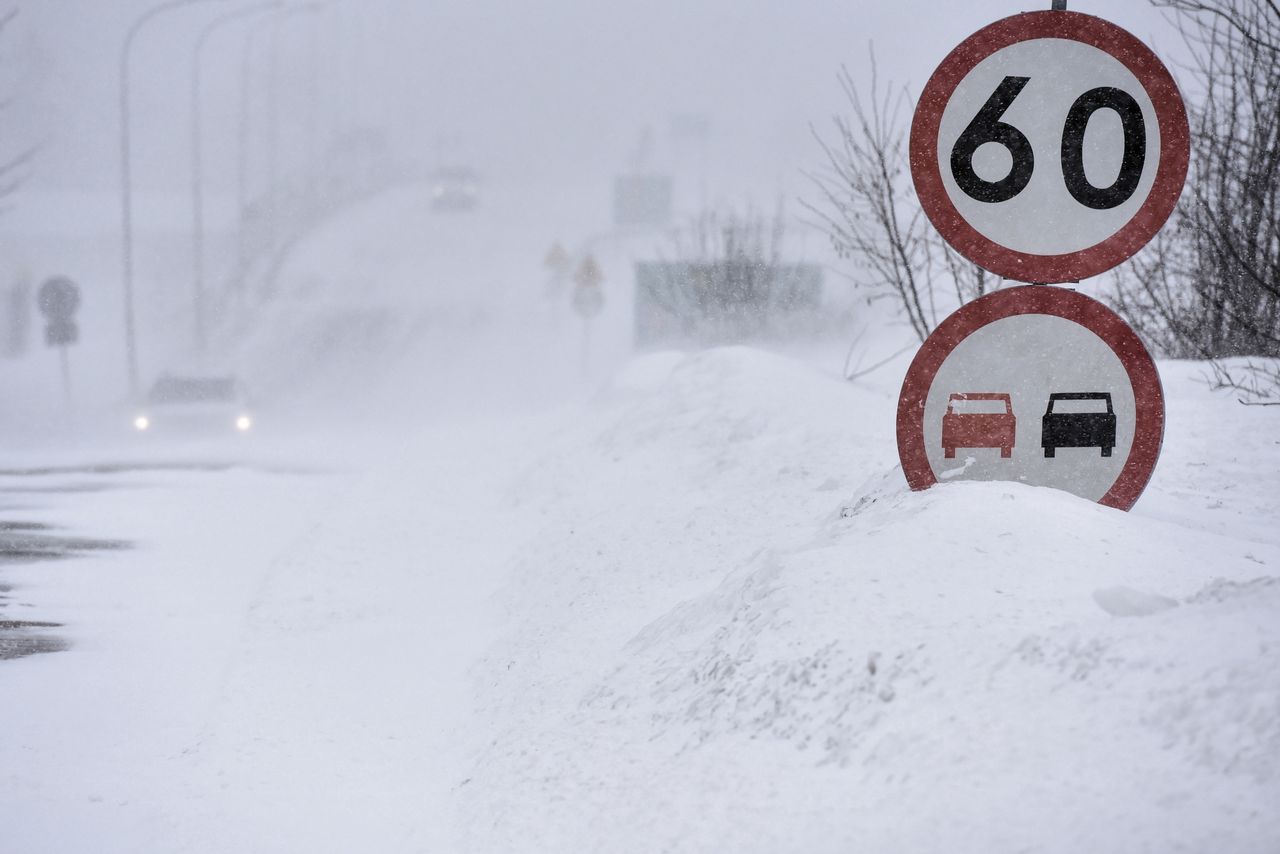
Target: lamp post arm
[(199, 313), (126, 178), (268, 209)]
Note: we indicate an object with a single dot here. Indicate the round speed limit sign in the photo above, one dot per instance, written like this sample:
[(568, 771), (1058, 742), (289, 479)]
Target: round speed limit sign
[(1049, 146)]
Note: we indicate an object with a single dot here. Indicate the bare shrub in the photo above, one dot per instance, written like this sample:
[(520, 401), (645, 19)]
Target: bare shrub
[(728, 281), (872, 217), (14, 167), (1209, 286)]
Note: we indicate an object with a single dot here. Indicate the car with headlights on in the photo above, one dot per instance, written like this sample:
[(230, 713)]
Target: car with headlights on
[(195, 404), (454, 188)]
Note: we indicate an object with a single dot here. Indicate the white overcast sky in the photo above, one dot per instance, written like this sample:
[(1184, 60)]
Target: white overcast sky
[(520, 88)]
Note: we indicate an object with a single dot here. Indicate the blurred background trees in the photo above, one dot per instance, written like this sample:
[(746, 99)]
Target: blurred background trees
[(15, 159), (728, 281), (869, 210)]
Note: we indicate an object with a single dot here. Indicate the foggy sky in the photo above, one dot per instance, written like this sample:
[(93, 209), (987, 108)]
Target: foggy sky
[(552, 91)]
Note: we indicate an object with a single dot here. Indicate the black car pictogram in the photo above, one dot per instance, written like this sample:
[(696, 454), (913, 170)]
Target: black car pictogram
[(1078, 429)]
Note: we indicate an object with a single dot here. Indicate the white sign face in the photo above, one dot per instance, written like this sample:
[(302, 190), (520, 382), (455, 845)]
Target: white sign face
[(1030, 358), (1045, 218), (1049, 146), (1038, 385)]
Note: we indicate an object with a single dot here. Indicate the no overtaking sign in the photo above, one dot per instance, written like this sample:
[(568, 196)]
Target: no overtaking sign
[(1043, 386)]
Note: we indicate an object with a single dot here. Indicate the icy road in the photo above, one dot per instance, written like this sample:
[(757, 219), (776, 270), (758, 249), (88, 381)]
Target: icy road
[(694, 608)]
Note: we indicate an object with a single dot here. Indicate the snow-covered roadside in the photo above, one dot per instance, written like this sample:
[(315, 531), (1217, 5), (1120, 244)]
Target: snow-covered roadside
[(92, 741), (344, 718), (723, 642), (699, 613), (278, 664)]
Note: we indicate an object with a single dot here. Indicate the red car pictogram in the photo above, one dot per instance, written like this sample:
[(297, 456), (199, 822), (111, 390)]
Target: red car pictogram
[(972, 428)]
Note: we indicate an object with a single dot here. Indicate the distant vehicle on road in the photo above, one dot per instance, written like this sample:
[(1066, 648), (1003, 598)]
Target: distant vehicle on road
[(1095, 428), (195, 404), (979, 419), (454, 188)]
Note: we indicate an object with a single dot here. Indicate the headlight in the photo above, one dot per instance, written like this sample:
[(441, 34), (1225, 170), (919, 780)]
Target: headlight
[(142, 422), (243, 423)]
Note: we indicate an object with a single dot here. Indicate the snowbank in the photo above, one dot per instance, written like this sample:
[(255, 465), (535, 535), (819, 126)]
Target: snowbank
[(723, 642)]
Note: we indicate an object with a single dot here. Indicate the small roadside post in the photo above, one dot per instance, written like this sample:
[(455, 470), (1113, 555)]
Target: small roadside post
[(558, 264), (1040, 384), (588, 301), (58, 299)]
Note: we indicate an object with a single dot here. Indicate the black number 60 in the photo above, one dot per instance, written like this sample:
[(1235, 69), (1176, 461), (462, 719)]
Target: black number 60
[(987, 127)]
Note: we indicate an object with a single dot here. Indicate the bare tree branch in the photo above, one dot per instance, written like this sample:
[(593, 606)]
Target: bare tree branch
[(867, 207), (1209, 286), (14, 168)]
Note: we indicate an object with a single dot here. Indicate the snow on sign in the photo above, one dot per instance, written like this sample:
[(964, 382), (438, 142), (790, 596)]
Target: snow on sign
[(1034, 384), (1049, 146)]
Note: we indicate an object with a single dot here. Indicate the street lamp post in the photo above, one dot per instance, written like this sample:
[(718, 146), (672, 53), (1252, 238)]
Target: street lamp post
[(242, 151), (273, 128), (242, 144), (197, 165), (313, 109), (126, 179)]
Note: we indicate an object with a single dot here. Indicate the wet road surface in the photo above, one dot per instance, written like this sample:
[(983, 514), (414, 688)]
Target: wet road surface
[(34, 542), (27, 542)]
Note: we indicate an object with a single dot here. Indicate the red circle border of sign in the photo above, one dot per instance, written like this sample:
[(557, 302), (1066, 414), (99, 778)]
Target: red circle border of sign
[(1148, 430), (1171, 174)]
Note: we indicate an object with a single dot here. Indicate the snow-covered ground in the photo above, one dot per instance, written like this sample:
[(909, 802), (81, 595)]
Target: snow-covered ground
[(739, 631), (687, 605)]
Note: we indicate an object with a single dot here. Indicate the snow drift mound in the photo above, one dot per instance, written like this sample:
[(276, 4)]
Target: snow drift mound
[(742, 651)]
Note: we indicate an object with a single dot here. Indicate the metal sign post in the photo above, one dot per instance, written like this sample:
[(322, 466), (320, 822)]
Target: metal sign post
[(588, 301), (558, 264), (58, 300)]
